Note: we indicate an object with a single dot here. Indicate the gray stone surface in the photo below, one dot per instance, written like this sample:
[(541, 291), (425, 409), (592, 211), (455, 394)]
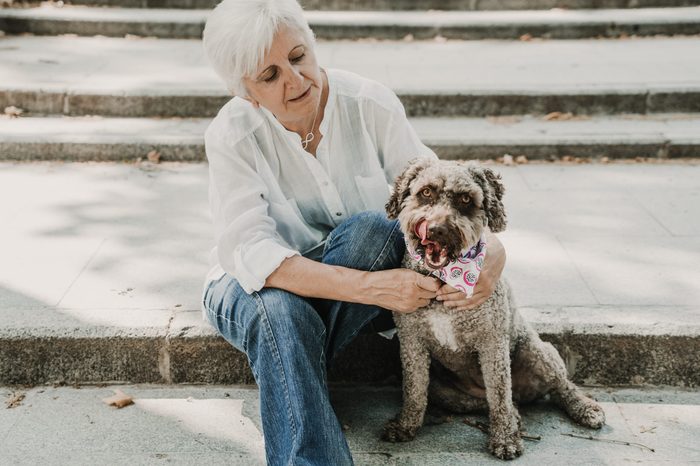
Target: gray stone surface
[(121, 139), (221, 425), (168, 77), (103, 266), (411, 4), (554, 24)]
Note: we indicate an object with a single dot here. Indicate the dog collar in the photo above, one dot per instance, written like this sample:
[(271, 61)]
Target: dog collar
[(462, 273)]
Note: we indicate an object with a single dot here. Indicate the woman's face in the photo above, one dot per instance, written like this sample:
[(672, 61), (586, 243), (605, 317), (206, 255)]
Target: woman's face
[(289, 81)]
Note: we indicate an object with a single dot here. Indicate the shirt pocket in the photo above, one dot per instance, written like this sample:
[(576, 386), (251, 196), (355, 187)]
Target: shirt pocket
[(374, 191)]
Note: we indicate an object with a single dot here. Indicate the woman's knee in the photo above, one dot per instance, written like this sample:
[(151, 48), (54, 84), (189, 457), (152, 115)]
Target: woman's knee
[(241, 317), (366, 241), (288, 313)]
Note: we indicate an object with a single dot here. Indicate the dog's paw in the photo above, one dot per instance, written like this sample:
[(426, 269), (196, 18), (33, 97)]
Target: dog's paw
[(591, 415), (394, 432), (506, 447)]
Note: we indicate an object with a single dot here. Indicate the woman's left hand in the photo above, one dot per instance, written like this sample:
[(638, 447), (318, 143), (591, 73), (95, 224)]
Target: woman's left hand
[(488, 279)]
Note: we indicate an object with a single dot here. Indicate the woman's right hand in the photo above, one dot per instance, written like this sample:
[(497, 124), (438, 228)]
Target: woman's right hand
[(400, 290)]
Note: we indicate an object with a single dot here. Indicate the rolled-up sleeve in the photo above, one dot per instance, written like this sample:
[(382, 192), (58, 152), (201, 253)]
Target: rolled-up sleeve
[(397, 141), (248, 244)]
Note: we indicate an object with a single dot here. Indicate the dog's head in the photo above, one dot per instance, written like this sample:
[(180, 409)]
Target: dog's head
[(443, 207)]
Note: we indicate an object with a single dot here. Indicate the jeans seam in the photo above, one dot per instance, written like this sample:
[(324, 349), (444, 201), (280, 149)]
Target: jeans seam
[(371, 269), (384, 252), (269, 335)]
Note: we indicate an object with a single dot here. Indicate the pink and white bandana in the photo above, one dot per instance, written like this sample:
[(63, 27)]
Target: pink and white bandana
[(463, 273)]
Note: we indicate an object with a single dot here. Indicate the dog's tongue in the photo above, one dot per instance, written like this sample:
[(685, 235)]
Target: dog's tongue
[(422, 230)]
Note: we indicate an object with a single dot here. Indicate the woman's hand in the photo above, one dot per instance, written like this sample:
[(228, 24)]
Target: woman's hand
[(488, 279), (400, 290)]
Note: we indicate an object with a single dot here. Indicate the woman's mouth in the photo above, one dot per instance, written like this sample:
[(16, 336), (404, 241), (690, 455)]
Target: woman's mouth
[(303, 96)]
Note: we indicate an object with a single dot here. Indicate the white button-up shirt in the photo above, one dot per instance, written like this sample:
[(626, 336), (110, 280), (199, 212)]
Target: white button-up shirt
[(270, 199)]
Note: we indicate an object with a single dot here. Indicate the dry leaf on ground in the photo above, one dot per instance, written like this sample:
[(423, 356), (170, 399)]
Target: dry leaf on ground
[(15, 400), (153, 156), (504, 119), (521, 159), (13, 112), (507, 159), (119, 399), (558, 116), (526, 37)]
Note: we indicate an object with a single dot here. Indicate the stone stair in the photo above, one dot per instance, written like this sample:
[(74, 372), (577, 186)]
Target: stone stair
[(553, 90)]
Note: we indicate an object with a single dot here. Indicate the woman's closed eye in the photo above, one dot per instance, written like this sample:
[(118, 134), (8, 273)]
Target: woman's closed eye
[(273, 72)]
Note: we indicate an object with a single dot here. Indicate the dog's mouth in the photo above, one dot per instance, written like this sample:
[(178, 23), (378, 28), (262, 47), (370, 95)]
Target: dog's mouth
[(436, 256)]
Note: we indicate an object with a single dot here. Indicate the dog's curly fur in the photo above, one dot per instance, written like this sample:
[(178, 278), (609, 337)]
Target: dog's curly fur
[(485, 359)]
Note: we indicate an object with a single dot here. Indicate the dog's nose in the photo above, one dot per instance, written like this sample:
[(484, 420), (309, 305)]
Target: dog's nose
[(438, 233)]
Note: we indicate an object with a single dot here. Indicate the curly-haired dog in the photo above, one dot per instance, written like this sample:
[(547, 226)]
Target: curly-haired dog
[(486, 358)]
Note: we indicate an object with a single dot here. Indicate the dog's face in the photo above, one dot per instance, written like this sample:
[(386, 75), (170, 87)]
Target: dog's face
[(443, 207)]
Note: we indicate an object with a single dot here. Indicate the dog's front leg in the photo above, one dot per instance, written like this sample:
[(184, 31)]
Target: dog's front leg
[(415, 360), (504, 432)]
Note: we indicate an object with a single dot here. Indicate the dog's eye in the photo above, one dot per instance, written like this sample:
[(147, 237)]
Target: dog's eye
[(464, 199), (427, 192)]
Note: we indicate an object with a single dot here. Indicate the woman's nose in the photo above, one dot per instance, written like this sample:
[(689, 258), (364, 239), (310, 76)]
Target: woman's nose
[(294, 77)]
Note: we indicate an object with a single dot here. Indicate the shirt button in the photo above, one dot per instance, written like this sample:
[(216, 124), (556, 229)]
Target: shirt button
[(339, 214)]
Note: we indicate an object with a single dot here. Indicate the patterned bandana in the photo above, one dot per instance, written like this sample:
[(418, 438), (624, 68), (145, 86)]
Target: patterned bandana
[(463, 273)]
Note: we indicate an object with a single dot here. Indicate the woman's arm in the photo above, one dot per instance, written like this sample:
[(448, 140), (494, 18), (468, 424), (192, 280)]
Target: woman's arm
[(399, 290), (488, 279)]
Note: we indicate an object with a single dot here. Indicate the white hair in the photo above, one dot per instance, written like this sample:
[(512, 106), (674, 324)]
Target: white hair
[(238, 34)]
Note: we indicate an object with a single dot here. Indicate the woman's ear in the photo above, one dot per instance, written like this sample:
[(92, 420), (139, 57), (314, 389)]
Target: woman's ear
[(402, 186)]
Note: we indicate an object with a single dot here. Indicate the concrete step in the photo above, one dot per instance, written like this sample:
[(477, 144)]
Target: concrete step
[(121, 139), (391, 25), (221, 425), (103, 266), (374, 5), (170, 77)]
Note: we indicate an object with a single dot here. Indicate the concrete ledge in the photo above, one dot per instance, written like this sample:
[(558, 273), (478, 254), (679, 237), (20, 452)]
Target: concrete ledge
[(436, 103), (391, 25), (170, 77), (410, 4), (600, 345), (121, 139)]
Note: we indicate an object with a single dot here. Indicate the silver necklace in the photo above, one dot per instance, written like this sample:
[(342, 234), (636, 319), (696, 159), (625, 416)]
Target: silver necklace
[(310, 135)]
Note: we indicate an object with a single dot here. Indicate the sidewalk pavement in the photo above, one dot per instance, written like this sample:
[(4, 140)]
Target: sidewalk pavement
[(603, 259), (213, 425)]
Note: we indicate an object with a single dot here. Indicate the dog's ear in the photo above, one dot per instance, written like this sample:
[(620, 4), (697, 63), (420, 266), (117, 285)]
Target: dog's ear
[(402, 186), (493, 189)]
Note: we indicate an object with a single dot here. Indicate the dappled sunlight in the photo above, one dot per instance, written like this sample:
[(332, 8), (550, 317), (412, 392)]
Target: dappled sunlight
[(107, 236), (218, 419)]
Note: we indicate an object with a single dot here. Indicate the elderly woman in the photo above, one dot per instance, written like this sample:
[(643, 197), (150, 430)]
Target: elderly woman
[(300, 160)]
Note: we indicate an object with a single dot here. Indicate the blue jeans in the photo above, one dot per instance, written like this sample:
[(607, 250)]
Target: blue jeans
[(290, 340)]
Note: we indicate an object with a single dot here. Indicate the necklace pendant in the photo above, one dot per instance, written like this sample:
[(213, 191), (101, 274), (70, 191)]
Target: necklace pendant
[(309, 137)]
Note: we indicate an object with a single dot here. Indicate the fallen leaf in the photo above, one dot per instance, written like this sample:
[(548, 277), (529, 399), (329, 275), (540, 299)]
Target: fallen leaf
[(15, 400), (153, 156), (119, 399), (504, 119), (507, 159), (521, 159), (13, 112), (408, 38), (558, 116), (526, 37)]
